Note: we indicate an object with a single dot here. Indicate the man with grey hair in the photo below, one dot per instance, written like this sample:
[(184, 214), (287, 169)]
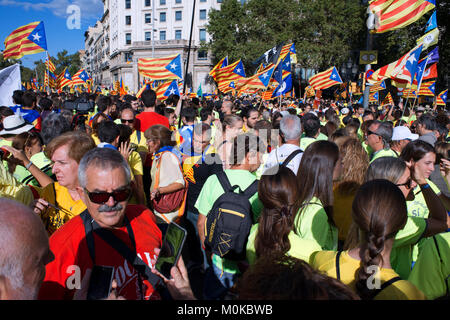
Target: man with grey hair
[(289, 140), (379, 137), (24, 251), (104, 179)]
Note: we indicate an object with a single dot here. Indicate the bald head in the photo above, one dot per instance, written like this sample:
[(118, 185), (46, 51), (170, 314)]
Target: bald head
[(24, 251)]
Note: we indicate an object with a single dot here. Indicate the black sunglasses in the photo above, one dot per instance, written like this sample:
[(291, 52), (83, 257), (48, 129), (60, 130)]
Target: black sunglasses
[(126, 120), (407, 184), (103, 196), (371, 132)]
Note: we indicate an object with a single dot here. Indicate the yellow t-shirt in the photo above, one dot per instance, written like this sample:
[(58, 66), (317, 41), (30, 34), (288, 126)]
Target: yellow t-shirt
[(52, 218), (135, 162), (96, 139), (139, 142), (13, 189), (325, 261)]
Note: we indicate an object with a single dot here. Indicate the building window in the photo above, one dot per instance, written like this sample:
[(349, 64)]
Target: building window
[(147, 3), (162, 17), (128, 56), (219, 1), (148, 36), (128, 20), (178, 15), (202, 34), (203, 14), (162, 2), (202, 0), (177, 34), (128, 38), (148, 18), (162, 35), (202, 55), (178, 1), (127, 4)]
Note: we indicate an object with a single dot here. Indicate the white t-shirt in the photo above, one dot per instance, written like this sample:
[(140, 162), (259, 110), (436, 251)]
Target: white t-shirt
[(279, 154)]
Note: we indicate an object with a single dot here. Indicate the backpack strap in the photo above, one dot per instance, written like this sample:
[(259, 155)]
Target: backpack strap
[(138, 135), (384, 286), (251, 190), (131, 256), (338, 269), (223, 179), (290, 157)]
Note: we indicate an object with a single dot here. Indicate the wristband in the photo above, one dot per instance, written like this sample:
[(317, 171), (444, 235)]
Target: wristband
[(28, 165), (425, 186)]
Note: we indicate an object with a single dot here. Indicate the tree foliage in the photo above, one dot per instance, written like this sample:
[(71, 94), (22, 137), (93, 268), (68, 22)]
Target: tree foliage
[(323, 31)]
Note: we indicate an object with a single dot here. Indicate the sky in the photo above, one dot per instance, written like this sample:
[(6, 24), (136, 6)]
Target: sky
[(61, 29)]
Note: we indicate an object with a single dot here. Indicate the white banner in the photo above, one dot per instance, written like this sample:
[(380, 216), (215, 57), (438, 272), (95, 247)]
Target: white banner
[(9, 82)]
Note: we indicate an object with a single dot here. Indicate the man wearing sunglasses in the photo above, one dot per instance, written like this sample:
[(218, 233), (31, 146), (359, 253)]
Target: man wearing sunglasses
[(104, 177), (378, 137), (137, 139)]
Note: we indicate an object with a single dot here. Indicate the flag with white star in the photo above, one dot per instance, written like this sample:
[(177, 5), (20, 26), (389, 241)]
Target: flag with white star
[(441, 99), (28, 39), (167, 89), (164, 68), (325, 79)]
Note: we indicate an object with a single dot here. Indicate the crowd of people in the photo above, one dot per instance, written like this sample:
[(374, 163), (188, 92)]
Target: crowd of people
[(346, 202)]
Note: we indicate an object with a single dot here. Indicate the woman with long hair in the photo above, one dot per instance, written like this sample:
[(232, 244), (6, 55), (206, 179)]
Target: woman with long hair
[(274, 232), (166, 173), (379, 212), (313, 208), (397, 171), (355, 162)]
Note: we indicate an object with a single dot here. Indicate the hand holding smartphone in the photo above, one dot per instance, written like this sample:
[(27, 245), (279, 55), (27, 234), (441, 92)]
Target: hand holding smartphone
[(171, 249)]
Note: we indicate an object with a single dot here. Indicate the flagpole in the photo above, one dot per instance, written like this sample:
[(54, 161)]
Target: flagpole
[(187, 62)]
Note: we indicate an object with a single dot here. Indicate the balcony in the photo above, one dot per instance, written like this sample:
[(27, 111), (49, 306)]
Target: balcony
[(161, 43), (104, 65)]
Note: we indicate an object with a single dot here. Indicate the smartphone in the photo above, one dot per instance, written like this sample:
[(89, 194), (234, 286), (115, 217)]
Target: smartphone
[(171, 249), (100, 283)]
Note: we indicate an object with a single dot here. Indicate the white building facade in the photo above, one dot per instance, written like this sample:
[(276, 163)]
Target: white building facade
[(124, 35)]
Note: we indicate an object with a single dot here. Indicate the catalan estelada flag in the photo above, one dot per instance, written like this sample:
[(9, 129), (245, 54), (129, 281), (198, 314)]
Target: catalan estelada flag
[(396, 14), (373, 97), (401, 71), (164, 68), (378, 86), (388, 100), (427, 89), (257, 81), (234, 71), (167, 89), (80, 78), (221, 64), (441, 98), (64, 79), (28, 39), (325, 79), (227, 86), (409, 93), (49, 65)]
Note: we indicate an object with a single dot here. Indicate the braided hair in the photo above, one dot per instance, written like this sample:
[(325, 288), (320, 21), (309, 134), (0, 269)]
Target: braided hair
[(277, 193), (379, 211)]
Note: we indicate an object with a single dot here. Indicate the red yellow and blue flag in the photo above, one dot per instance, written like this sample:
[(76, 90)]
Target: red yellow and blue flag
[(28, 39)]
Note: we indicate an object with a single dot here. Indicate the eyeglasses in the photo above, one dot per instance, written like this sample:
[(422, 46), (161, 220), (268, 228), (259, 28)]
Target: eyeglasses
[(126, 120), (407, 184), (103, 196), (371, 132)]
